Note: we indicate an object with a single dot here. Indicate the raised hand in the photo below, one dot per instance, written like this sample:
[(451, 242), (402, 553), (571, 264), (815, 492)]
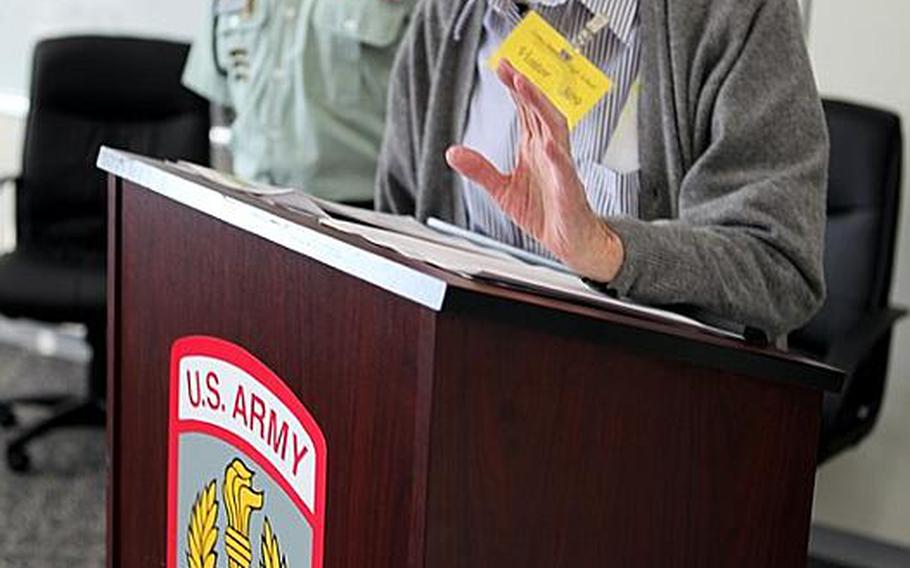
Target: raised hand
[(543, 194)]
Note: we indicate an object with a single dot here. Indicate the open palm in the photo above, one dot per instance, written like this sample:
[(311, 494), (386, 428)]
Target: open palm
[(543, 194)]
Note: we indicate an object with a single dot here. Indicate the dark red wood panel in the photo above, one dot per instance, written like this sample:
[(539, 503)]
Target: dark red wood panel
[(113, 369), (507, 430), (551, 446), (359, 359)]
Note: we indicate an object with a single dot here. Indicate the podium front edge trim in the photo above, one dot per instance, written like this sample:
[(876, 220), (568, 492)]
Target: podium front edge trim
[(387, 274)]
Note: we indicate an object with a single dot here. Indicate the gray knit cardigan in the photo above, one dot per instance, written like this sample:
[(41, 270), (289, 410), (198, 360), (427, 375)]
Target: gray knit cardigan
[(733, 148)]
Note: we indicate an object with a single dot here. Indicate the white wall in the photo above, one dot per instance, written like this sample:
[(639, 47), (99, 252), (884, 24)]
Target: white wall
[(860, 50), (24, 21)]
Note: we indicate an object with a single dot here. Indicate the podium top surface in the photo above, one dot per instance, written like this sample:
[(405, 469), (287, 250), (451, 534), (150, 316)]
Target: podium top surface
[(431, 287)]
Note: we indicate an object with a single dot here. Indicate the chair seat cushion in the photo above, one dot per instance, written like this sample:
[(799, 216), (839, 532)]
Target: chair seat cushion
[(52, 285)]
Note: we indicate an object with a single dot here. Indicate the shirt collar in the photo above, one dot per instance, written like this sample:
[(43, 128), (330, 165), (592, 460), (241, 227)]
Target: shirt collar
[(622, 13)]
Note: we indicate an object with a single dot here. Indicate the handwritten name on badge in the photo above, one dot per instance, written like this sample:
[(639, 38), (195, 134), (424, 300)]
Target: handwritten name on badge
[(535, 48)]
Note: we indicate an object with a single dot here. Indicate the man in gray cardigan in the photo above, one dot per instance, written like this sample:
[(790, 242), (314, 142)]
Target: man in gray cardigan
[(731, 140)]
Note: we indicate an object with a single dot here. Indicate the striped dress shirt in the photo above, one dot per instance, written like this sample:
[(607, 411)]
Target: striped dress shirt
[(492, 127)]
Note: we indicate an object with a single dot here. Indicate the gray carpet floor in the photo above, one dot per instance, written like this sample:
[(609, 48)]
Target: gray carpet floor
[(53, 516)]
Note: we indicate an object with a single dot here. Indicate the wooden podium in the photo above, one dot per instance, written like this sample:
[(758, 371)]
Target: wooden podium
[(467, 424)]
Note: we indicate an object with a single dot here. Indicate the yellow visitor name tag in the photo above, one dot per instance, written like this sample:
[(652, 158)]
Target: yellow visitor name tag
[(573, 84)]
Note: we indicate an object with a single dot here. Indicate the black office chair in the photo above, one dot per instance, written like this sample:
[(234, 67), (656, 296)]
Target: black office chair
[(86, 91), (853, 329)]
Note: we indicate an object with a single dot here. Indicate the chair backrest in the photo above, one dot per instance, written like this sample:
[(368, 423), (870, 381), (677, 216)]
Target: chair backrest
[(87, 91), (863, 206)]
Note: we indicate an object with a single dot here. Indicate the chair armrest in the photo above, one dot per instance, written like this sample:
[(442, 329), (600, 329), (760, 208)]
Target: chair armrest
[(852, 347)]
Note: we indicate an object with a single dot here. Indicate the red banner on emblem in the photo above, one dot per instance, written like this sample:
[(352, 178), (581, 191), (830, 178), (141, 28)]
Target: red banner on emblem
[(246, 463)]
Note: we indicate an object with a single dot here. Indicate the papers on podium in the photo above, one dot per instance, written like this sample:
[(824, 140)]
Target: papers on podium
[(471, 261), (474, 258)]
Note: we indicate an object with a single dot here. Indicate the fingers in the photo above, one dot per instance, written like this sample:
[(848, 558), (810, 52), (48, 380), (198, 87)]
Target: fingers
[(529, 123), (536, 103), (550, 124), (478, 169)]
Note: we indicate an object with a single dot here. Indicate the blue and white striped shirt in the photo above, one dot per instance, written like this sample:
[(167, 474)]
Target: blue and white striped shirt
[(616, 50)]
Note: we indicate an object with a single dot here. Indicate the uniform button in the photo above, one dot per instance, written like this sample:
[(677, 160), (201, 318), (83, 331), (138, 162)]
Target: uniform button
[(290, 13), (279, 74), (234, 21), (350, 25)]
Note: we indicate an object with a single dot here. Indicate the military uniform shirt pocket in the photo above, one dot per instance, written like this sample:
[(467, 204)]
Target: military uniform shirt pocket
[(240, 49), (345, 30)]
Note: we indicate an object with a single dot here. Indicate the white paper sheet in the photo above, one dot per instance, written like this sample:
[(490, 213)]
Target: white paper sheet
[(405, 225), (507, 270), (295, 200)]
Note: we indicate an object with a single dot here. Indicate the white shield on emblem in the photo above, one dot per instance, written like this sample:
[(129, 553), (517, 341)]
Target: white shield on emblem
[(246, 464)]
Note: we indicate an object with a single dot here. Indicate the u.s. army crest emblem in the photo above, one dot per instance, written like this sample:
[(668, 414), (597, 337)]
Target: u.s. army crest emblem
[(247, 464)]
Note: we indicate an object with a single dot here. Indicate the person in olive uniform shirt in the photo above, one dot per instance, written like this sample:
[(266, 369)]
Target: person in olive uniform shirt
[(307, 81)]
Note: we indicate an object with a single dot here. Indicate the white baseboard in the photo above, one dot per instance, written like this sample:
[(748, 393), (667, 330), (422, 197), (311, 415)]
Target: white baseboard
[(62, 341), (7, 219), (13, 105), (843, 547), (13, 110)]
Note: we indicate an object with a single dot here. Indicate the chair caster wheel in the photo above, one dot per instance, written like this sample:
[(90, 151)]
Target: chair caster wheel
[(7, 418), (18, 460)]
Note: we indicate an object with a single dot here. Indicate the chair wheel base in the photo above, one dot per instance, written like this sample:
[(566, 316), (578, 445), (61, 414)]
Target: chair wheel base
[(17, 460), (7, 418)]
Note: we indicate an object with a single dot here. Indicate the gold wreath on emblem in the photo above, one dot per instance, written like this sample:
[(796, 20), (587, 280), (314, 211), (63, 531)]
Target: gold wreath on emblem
[(240, 502)]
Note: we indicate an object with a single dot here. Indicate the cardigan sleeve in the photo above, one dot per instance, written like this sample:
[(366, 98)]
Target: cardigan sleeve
[(746, 242)]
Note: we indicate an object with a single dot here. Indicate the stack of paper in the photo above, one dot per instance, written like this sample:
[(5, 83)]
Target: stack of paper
[(452, 249)]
